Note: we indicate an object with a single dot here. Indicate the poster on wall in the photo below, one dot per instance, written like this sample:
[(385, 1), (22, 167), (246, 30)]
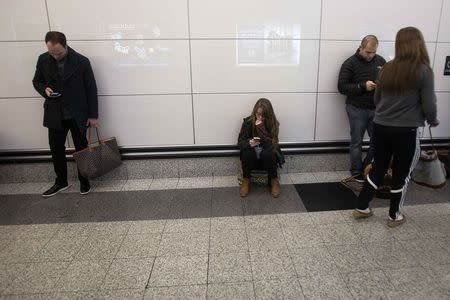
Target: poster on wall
[(447, 66)]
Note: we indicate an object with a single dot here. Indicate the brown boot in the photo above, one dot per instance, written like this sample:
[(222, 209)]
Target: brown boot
[(245, 187), (275, 187)]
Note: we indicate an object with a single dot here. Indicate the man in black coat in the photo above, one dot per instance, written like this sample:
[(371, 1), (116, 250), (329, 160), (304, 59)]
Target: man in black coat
[(66, 81), (357, 80)]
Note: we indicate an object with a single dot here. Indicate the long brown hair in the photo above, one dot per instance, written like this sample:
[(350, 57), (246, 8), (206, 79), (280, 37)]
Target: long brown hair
[(410, 55), (270, 120)]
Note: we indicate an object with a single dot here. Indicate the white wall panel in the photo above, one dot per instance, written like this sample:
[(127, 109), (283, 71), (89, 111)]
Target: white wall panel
[(444, 27), (334, 53), (442, 83), (138, 67), (332, 120), (147, 120), (23, 20), (299, 19), (18, 61), (254, 65), (21, 124), (218, 117), (132, 19), (443, 105), (352, 20)]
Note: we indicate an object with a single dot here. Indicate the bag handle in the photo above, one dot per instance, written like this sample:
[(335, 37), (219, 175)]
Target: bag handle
[(99, 140), (432, 141)]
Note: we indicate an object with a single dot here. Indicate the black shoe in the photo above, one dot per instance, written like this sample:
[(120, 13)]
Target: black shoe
[(55, 189), (85, 188), (359, 178)]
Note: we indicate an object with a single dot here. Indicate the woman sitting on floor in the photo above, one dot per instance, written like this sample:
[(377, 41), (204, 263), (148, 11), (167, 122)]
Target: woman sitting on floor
[(258, 142)]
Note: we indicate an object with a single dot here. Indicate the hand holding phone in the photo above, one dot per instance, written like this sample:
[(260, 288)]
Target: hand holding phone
[(255, 141), (55, 94)]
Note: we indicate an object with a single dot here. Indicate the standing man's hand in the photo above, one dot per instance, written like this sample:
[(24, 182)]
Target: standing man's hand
[(370, 85), (91, 122), (48, 91)]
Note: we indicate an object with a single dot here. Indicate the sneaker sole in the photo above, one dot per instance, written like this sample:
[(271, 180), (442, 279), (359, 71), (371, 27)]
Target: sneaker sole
[(85, 193), (63, 189), (393, 223), (359, 215)]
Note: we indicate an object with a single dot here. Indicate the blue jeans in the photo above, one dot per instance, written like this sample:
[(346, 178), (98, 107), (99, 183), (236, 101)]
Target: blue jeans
[(360, 120)]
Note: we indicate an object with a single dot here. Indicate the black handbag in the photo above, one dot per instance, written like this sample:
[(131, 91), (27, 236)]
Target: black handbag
[(98, 158)]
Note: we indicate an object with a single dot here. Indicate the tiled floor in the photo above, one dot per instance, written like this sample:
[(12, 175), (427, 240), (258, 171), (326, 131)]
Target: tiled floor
[(195, 238)]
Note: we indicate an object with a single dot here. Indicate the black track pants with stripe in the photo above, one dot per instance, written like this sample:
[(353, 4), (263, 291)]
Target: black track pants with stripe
[(403, 146)]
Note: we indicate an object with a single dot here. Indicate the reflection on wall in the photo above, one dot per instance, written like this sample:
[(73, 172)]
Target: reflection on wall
[(134, 52), (268, 45)]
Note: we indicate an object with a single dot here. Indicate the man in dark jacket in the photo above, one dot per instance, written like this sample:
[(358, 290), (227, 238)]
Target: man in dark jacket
[(66, 81), (357, 80)]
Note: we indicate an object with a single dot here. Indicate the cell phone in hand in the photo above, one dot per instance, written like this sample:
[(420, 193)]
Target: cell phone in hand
[(55, 94)]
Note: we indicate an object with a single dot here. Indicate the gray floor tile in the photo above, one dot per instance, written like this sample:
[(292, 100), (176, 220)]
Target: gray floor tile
[(83, 275), (195, 182), (19, 251), (225, 181), (147, 227), (188, 292), (336, 176), (285, 179), (365, 285), (262, 221), (184, 243), (9, 272), (272, 265), (40, 296), (227, 223), (391, 255), (279, 289), (338, 234), (301, 178), (436, 226), (427, 252), (324, 287), (329, 217), (441, 275), (164, 184), (24, 188), (415, 279), (295, 219), (262, 239), (101, 295), (237, 291), (60, 249), (137, 184), (373, 232), (100, 247), (139, 246), (314, 261), (110, 228), (37, 278), (228, 241), (302, 236), (229, 267), (107, 185), (179, 270), (188, 225), (40, 231), (128, 274), (352, 258), (77, 230)]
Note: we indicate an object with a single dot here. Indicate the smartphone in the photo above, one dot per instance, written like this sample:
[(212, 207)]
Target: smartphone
[(54, 94)]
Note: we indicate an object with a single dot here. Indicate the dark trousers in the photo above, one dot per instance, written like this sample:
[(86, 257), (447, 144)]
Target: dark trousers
[(403, 146), (57, 139), (267, 161)]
